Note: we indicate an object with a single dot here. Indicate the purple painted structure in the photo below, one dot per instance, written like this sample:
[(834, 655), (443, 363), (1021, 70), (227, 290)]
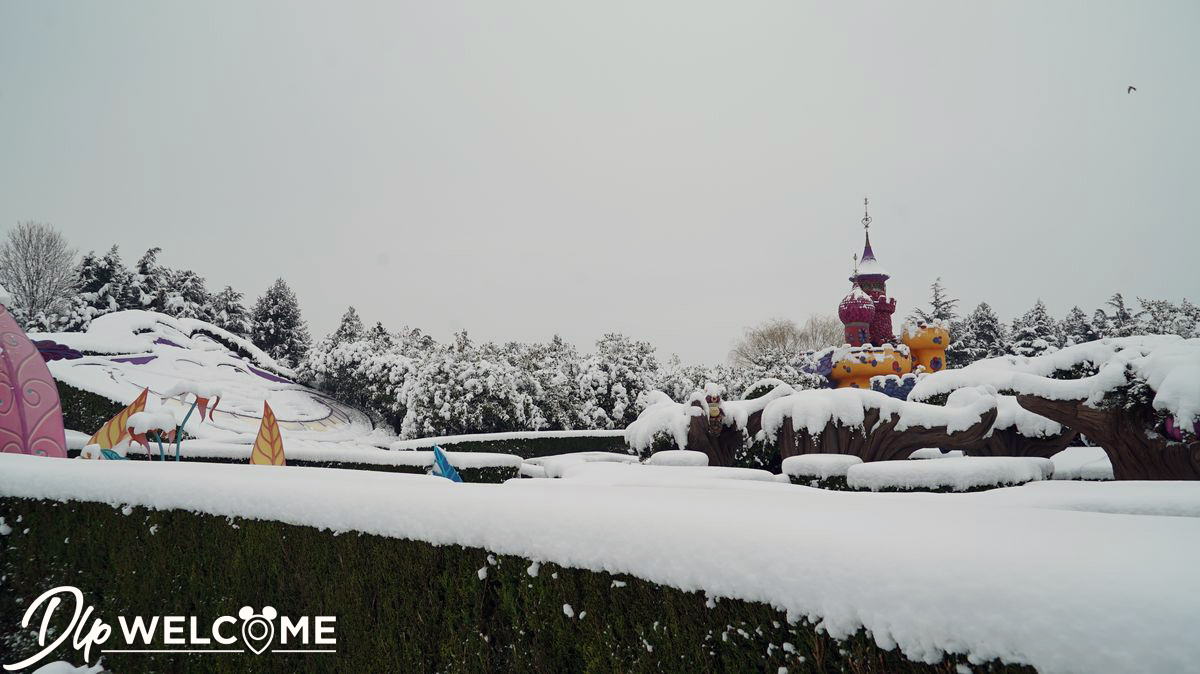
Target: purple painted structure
[(31, 420), (268, 376)]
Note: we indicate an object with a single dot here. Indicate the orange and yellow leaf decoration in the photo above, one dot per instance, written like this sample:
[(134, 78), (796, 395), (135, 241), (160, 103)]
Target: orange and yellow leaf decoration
[(113, 430), (268, 446)]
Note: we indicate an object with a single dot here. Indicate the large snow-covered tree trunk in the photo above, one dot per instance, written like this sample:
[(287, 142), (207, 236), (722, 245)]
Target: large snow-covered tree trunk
[(721, 447), (877, 439), (1136, 450), (1009, 442)]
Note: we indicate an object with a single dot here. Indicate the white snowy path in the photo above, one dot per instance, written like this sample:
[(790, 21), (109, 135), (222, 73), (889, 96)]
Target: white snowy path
[(1015, 574)]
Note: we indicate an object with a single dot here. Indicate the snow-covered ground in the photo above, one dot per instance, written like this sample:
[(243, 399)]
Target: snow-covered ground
[(1066, 576)]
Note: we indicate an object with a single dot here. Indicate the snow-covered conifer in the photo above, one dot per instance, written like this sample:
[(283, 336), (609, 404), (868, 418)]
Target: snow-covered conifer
[(1034, 333), (277, 326), (229, 312)]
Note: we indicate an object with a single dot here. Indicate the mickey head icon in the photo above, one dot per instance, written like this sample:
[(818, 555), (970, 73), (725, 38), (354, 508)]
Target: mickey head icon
[(258, 629)]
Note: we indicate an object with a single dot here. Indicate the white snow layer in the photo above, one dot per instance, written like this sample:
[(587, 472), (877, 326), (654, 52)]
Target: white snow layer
[(161, 420), (1168, 363), (663, 416), (935, 453), (1082, 463), (557, 464), (812, 410), (444, 440), (307, 450), (1062, 590), (1008, 413), (819, 465), (957, 474), (678, 457)]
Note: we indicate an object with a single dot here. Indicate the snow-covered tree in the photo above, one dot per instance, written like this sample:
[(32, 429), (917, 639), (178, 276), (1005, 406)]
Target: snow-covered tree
[(379, 336), (37, 268), (187, 296), (981, 335), (1187, 321), (612, 378), (1076, 328), (277, 326), (1034, 333), (555, 366), (105, 285), (350, 328), (941, 307), (149, 282), (1121, 322), (229, 312)]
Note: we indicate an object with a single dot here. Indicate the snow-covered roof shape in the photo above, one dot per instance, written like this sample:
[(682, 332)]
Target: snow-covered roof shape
[(870, 267), (1168, 363)]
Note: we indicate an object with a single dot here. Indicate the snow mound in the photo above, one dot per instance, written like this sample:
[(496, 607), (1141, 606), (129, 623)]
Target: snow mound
[(638, 475), (820, 466), (678, 457), (1073, 463), (557, 465), (935, 453), (954, 474), (162, 420)]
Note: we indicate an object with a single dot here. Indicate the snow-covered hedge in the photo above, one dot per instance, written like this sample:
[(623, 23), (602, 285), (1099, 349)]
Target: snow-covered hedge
[(827, 471), (855, 561), (962, 474), (526, 444), (451, 608), (473, 466)]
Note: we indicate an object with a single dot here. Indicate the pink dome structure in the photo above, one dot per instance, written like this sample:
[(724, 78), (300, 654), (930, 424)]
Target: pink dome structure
[(856, 312)]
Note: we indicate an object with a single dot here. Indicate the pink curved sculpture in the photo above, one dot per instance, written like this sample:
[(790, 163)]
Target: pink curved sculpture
[(31, 420)]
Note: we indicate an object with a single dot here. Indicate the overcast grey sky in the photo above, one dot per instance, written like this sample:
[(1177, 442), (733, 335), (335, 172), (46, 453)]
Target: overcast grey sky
[(672, 170)]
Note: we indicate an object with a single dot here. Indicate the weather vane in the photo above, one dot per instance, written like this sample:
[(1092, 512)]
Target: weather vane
[(866, 221)]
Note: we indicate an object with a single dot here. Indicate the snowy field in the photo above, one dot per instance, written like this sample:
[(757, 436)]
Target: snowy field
[(1066, 576)]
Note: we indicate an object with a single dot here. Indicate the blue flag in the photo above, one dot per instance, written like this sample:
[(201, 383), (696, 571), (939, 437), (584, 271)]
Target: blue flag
[(442, 467)]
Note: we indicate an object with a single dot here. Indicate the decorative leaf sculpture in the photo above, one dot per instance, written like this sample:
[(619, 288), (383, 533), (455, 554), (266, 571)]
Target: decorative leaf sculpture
[(268, 446), (114, 430), (31, 419)]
